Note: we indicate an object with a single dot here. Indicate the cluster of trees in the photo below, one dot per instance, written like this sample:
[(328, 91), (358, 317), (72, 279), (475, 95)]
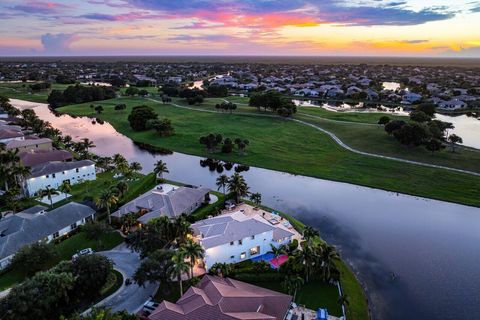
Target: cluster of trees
[(216, 142), (121, 106), (63, 79), (144, 118), (217, 91), (226, 106), (422, 129), (40, 86), (58, 291), (12, 175), (80, 94), (193, 96), (235, 185), (132, 91), (166, 251), (273, 101)]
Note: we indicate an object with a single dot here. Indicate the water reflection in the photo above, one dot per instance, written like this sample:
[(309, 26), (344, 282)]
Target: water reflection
[(431, 246)]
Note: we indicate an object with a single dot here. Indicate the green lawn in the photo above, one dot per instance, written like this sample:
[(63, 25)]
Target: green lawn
[(23, 92), (291, 147), (66, 249)]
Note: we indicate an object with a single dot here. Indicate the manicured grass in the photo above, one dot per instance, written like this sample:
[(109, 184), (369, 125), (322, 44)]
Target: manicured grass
[(363, 117), (210, 209), (114, 282), (66, 249), (292, 147), (23, 92), (357, 307)]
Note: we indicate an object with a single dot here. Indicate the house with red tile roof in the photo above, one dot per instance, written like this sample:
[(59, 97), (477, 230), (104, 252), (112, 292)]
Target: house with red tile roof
[(216, 298)]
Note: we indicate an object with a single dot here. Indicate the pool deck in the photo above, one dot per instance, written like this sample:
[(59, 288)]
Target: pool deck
[(269, 217)]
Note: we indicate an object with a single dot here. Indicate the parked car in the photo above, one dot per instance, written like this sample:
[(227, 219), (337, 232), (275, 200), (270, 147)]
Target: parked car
[(149, 307), (82, 252)]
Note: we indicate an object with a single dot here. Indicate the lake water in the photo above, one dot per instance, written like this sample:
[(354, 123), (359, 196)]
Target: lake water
[(433, 247), (466, 127)]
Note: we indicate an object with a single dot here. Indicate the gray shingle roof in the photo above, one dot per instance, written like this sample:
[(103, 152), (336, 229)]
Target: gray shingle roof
[(18, 230), (27, 142), (57, 166), (171, 204)]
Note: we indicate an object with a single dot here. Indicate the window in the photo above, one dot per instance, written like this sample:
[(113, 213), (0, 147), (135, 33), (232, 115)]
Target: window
[(231, 243), (254, 250), (47, 175), (240, 242), (73, 226), (231, 257), (53, 175), (76, 170), (253, 237), (243, 255), (55, 235), (88, 219)]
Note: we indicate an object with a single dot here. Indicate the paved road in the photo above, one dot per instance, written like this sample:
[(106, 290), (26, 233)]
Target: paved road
[(336, 139), (132, 297)]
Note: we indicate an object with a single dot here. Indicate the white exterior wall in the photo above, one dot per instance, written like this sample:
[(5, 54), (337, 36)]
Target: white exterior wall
[(33, 185), (224, 253), (7, 140)]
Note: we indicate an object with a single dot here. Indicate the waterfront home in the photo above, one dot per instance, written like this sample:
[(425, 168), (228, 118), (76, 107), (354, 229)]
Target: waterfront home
[(53, 173), (36, 224), (165, 200), (30, 144), (453, 104), (241, 235), (224, 298), (412, 97)]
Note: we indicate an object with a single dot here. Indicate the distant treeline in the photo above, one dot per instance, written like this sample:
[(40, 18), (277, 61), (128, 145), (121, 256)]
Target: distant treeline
[(79, 94)]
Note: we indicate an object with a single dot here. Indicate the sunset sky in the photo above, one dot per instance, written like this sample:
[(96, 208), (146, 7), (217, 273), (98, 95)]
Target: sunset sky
[(247, 27)]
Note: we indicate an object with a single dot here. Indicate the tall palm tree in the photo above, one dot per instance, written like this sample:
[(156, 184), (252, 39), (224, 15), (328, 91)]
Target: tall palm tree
[(192, 251), (87, 144), (49, 193), (160, 169), (65, 188), (310, 233), (238, 186), (256, 198), (178, 267), (308, 256), (181, 227), (118, 158), (135, 166), (106, 200), (328, 256), (124, 168), (292, 283), (67, 140), (122, 187), (222, 182), (20, 173), (128, 221)]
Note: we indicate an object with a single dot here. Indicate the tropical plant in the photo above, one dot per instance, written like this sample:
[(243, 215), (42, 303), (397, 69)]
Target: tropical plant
[(128, 221), (222, 182), (49, 193), (106, 200), (292, 283), (160, 168), (135, 166), (454, 139), (256, 198), (192, 251), (87, 144), (238, 186), (65, 188), (179, 267), (122, 188)]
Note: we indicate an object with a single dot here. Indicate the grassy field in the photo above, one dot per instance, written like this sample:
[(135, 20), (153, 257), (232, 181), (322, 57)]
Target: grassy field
[(291, 147), (65, 250), (23, 92)]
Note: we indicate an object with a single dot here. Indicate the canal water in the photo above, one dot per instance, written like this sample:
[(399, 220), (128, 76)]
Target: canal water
[(432, 247)]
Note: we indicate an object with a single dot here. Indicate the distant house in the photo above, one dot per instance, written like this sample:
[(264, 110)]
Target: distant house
[(235, 237), (412, 97), (34, 158), (35, 224), (7, 135), (53, 173), (452, 105), (218, 298), (30, 144), (165, 200)]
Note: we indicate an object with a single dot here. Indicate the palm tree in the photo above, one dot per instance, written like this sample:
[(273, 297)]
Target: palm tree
[(118, 158), (308, 257), (122, 187), (328, 256), (65, 187), (160, 169), (106, 201), (179, 266), (20, 173), (292, 283), (181, 227), (310, 233), (128, 221), (49, 193), (124, 168), (277, 252), (192, 251), (256, 198), (11, 198), (222, 182), (87, 143), (67, 140), (135, 166), (238, 186)]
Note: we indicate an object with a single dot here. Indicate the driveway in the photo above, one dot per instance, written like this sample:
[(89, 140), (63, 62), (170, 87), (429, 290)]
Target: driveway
[(132, 297)]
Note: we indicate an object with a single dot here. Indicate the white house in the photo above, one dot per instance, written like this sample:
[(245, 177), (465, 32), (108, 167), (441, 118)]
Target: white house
[(35, 224), (53, 173), (452, 105), (235, 237)]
